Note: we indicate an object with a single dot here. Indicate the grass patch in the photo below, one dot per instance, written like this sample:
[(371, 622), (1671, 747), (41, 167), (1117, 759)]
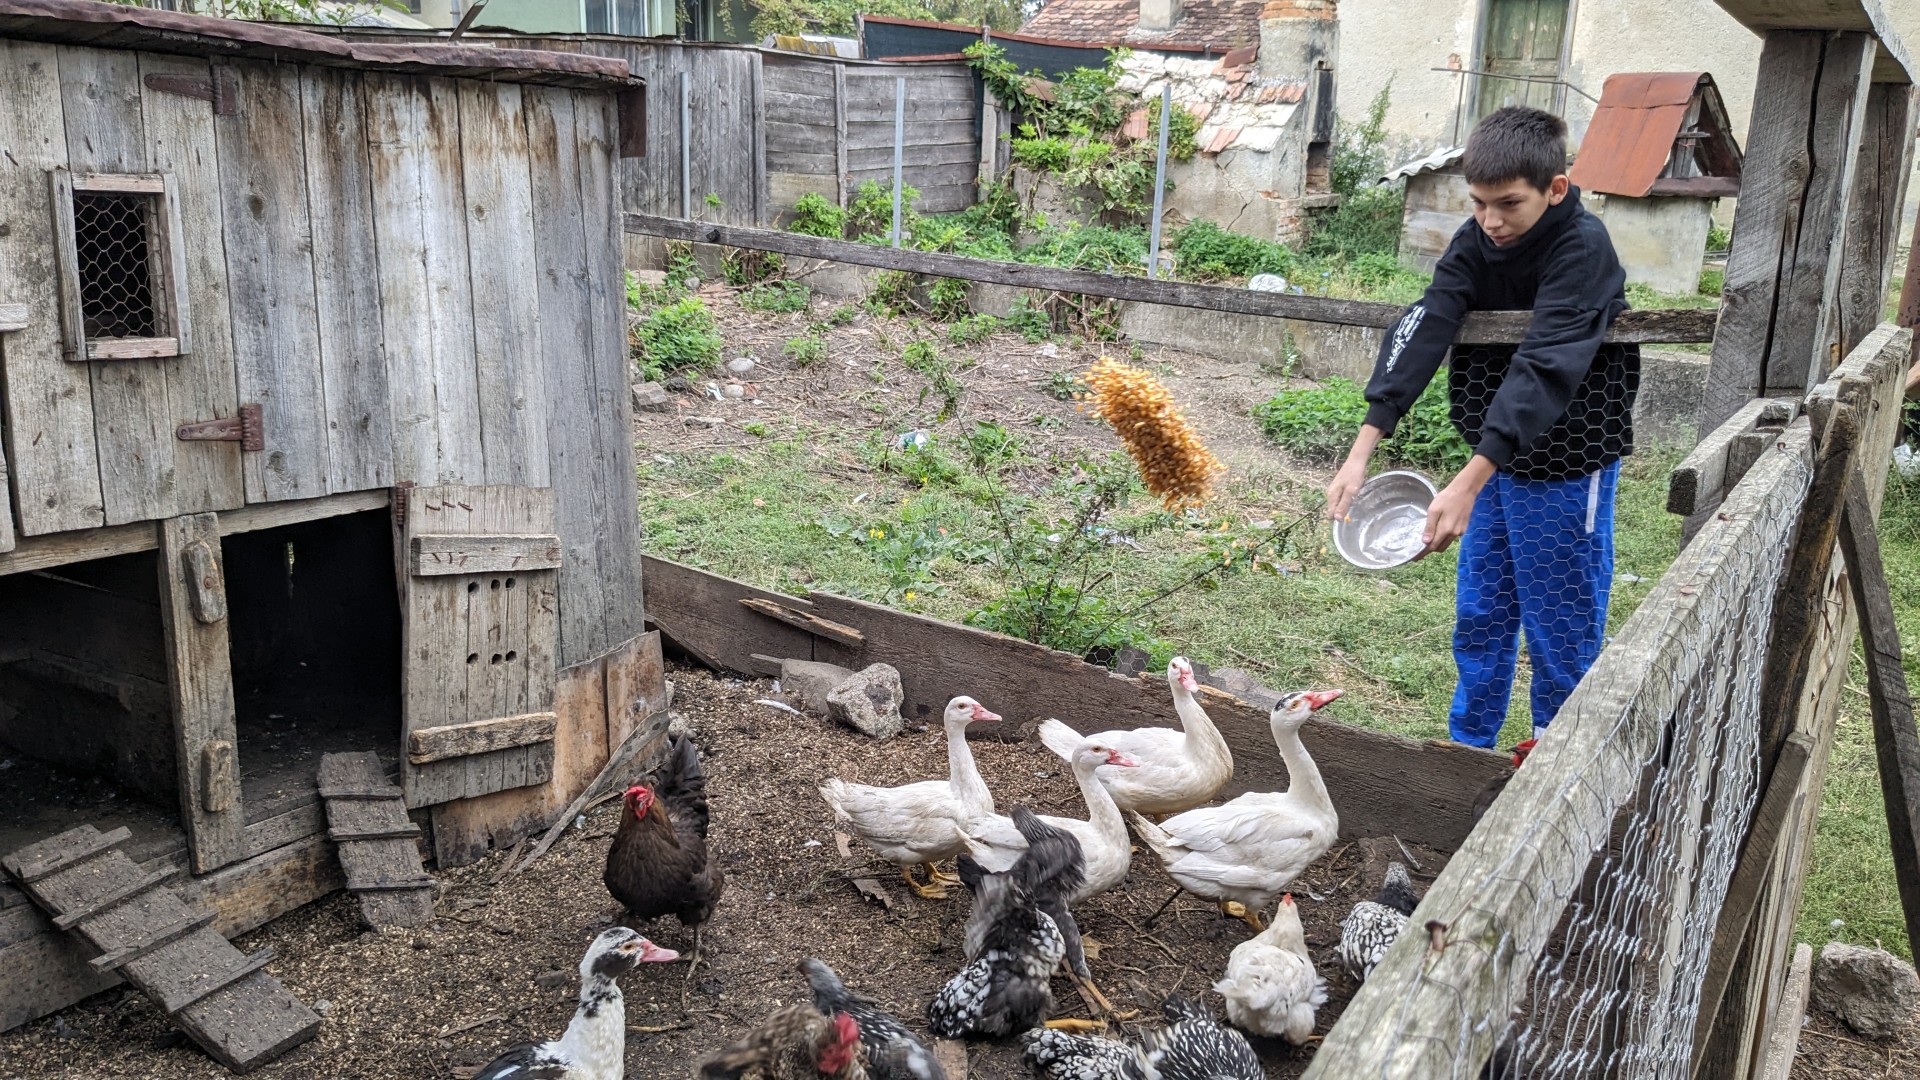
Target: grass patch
[(776, 297)]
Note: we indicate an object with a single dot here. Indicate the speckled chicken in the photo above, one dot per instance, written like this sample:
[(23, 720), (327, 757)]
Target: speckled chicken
[(1270, 986), (892, 1051), (794, 1042), (658, 863), (1193, 1046), (1014, 941), (1372, 927)]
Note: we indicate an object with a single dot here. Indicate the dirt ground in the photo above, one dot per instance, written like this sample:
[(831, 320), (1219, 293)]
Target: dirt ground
[(498, 966)]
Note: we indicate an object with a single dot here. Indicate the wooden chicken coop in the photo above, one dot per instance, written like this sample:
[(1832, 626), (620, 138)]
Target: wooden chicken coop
[(316, 440)]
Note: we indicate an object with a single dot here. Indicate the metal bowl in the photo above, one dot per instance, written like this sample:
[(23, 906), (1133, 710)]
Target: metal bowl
[(1382, 527)]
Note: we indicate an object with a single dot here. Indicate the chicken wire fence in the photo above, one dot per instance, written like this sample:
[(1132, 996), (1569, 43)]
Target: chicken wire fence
[(111, 245), (1578, 942)]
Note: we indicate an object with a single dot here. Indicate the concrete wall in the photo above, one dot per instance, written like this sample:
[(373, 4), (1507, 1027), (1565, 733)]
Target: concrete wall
[(1661, 242)]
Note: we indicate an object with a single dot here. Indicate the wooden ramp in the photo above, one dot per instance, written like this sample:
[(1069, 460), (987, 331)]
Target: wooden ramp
[(220, 997), (379, 847)]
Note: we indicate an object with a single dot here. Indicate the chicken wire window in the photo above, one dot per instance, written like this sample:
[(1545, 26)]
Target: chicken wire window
[(122, 266)]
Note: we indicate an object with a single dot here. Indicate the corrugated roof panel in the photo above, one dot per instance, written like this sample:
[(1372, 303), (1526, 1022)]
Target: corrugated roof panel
[(1631, 135)]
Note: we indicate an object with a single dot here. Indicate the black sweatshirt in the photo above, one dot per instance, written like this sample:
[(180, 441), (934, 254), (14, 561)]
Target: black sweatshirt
[(1560, 403)]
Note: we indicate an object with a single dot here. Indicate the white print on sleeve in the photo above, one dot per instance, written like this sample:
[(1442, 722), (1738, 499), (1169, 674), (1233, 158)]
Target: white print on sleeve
[(1403, 333)]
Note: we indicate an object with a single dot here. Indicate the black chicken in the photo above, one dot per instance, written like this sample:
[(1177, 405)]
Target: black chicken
[(1372, 927), (658, 863), (1014, 936), (892, 1051), (1193, 1046)]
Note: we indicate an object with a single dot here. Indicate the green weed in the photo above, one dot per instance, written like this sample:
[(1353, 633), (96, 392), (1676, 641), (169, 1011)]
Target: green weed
[(1319, 423), (778, 297), (676, 337), (813, 215), (805, 351)]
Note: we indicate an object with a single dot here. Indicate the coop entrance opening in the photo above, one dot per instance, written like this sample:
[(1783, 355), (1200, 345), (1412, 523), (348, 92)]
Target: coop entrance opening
[(316, 652), (86, 721)]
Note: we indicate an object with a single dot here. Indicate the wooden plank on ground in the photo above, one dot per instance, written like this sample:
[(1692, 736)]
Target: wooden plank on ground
[(50, 442), (1790, 1017), (200, 384), (1489, 326), (1896, 744), (270, 282), (636, 686), (506, 314), (200, 678), (1372, 775), (347, 287)]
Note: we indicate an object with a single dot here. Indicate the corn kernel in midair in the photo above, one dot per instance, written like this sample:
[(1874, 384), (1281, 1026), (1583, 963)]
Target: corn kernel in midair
[(1173, 463)]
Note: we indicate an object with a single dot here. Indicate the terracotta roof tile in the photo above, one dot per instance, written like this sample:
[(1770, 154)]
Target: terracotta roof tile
[(1222, 23)]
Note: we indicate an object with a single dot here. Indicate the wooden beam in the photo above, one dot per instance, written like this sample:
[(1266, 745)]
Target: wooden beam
[(459, 554), (1893, 64), (200, 681), (1896, 744), (478, 737), (1783, 269), (1873, 212), (811, 623), (82, 545), (13, 317), (1703, 478), (1482, 326), (1788, 1018)]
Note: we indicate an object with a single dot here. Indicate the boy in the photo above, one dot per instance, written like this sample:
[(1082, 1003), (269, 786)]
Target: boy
[(1548, 420)]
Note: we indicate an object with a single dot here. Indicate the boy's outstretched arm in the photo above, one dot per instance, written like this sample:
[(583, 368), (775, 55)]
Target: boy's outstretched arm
[(1410, 352)]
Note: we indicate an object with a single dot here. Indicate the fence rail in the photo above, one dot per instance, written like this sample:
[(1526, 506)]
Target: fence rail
[(1571, 934)]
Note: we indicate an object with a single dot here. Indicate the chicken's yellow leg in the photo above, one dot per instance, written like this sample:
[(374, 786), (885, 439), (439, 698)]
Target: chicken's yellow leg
[(937, 876), (1240, 911), (930, 891), (1095, 999)]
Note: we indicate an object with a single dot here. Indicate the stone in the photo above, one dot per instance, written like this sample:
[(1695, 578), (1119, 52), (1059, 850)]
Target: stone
[(805, 684), (678, 384), (651, 397), (741, 365), (651, 278), (869, 702), (1873, 991), (734, 390), (705, 421)]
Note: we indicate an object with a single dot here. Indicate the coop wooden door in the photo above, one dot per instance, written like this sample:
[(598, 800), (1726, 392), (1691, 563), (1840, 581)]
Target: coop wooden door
[(478, 568), (1521, 38)]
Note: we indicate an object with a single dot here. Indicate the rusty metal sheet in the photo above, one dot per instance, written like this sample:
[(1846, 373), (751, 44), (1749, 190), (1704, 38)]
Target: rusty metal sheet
[(1632, 132)]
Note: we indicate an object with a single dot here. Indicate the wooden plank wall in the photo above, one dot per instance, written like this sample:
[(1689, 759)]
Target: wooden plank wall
[(792, 102), (422, 285)]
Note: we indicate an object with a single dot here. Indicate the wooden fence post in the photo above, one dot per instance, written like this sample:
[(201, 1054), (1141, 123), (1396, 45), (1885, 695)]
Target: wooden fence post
[(1873, 212), (1783, 269)]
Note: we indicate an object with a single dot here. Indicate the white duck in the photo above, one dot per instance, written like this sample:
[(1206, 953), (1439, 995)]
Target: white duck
[(1244, 852), (595, 1045), (920, 824), (1271, 987), (996, 844), (1179, 770)]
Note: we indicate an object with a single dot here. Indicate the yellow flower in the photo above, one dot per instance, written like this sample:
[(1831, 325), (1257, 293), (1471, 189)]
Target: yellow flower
[(910, 594)]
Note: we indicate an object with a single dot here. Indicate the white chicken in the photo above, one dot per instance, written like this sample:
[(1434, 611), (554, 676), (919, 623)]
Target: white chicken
[(1244, 852), (1271, 987), (920, 824), (1178, 770), (997, 844)]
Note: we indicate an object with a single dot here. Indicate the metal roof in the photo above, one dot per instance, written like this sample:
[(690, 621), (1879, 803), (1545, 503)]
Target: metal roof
[(116, 26), (1635, 127), (1437, 160)]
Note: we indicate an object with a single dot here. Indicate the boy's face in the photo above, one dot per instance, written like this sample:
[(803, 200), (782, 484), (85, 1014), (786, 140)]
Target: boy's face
[(1508, 209)]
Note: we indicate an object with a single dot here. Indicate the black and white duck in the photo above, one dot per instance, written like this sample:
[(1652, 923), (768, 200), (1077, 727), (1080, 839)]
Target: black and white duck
[(595, 1045)]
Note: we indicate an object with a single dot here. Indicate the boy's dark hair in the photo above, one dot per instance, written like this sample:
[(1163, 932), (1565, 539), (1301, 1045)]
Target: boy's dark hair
[(1516, 143)]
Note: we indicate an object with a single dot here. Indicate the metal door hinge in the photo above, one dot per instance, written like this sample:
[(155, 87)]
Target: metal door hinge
[(217, 88), (247, 429)]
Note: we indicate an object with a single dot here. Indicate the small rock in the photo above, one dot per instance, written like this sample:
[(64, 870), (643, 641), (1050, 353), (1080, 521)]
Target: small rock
[(553, 980), (651, 397), (1872, 990), (741, 365), (734, 390), (869, 702), (652, 278), (1049, 349), (501, 929), (678, 384), (705, 421), (1267, 283), (805, 684), (322, 1006)]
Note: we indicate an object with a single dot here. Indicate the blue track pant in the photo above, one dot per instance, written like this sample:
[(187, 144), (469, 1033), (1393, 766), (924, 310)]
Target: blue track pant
[(1537, 556)]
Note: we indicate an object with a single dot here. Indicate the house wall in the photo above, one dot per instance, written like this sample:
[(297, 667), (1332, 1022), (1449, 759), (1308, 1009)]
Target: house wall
[(532, 16), (421, 285)]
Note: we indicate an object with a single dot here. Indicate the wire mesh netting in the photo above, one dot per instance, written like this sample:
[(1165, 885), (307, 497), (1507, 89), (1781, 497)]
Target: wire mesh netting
[(116, 282)]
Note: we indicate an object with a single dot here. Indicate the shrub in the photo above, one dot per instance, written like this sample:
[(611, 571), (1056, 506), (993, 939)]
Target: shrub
[(813, 215), (1041, 153), (777, 297), (871, 215), (1319, 423), (972, 330), (805, 350), (1029, 321), (1368, 217), (675, 337), (1207, 252)]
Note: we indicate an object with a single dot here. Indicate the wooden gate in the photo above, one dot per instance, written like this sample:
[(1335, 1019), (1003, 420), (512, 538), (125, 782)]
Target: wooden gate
[(478, 568)]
